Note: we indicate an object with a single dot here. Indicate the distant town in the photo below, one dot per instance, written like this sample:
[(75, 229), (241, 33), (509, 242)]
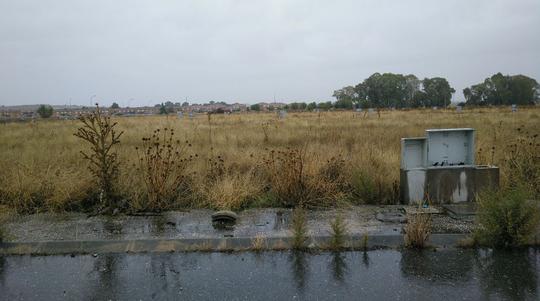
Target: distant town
[(25, 112)]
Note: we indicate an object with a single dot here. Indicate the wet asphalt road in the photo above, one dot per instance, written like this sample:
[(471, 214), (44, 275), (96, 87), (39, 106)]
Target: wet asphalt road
[(375, 275)]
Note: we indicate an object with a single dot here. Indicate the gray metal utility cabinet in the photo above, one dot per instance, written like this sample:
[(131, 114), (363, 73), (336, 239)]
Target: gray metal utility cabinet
[(440, 168)]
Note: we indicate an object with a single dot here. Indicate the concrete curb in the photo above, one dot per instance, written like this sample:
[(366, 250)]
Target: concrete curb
[(210, 244)]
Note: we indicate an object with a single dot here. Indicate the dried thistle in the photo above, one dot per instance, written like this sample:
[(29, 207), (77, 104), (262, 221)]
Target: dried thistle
[(98, 130)]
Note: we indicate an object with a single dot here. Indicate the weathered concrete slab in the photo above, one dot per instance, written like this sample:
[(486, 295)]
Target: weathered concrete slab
[(461, 210), (391, 217), (193, 230), (217, 244), (422, 210), (192, 224)]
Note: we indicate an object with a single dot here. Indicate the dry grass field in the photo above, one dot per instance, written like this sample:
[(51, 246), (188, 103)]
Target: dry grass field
[(246, 160)]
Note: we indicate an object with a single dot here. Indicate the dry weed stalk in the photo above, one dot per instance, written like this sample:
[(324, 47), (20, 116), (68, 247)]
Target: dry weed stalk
[(98, 130)]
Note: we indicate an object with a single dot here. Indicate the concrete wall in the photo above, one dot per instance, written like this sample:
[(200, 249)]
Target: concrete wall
[(451, 184)]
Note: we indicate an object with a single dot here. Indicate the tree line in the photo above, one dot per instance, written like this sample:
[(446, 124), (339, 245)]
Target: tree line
[(504, 90), (407, 91), (397, 90)]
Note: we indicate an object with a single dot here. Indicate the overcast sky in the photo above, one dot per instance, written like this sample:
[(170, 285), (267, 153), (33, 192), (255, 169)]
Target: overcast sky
[(144, 52)]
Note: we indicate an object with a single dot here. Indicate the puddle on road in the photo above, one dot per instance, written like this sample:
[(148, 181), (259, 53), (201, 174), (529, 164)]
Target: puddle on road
[(382, 275)]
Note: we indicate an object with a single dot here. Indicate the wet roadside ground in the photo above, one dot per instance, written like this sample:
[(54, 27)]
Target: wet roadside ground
[(374, 275), (193, 230)]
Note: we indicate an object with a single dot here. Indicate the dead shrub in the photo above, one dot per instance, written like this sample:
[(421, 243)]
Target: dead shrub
[(163, 164), (296, 179), (522, 161), (230, 191), (417, 230), (98, 130)]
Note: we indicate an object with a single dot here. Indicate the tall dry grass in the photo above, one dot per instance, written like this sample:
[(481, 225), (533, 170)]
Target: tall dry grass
[(41, 167)]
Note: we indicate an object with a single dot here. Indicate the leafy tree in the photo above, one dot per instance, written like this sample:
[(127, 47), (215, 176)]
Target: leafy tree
[(311, 106), (343, 104), (438, 91), (503, 90), (325, 105), (420, 99), (163, 109), (395, 90), (412, 86), (45, 111), (115, 106), (255, 107), (346, 93)]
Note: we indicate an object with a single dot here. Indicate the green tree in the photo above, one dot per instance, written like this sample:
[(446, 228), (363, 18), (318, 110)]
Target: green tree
[(115, 106), (395, 90), (343, 104), (386, 90), (438, 91), (163, 109), (325, 105), (347, 93), (311, 106), (255, 107), (45, 111), (503, 90)]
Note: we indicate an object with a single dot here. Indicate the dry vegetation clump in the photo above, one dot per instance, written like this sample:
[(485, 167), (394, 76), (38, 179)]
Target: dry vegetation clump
[(297, 179), (522, 161), (35, 190), (324, 158), (507, 218), (230, 192), (417, 230), (259, 243), (163, 165)]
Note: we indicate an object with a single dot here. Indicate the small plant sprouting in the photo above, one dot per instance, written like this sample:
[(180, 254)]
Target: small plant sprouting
[(98, 130), (365, 242), (300, 230), (258, 243), (339, 233)]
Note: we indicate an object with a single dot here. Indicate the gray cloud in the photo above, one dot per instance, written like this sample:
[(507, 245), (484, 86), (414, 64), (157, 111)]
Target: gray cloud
[(143, 52)]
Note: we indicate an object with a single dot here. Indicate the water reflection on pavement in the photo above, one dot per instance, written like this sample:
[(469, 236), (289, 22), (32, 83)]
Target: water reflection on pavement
[(373, 275)]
